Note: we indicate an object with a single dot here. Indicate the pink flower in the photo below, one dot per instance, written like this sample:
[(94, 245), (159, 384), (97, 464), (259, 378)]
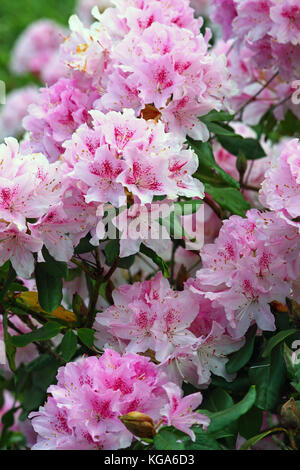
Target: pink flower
[(123, 153), (224, 12), (281, 188), (244, 270), (83, 409), (179, 411), (36, 46), (286, 18), (61, 109), (15, 109), (253, 19)]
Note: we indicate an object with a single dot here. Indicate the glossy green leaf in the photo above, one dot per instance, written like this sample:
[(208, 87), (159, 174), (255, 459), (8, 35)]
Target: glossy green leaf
[(221, 419), (49, 288), (269, 378), (44, 333), (240, 358), (277, 339), (68, 345)]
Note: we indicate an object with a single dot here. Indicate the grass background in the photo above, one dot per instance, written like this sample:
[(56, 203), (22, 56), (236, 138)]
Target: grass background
[(15, 16)]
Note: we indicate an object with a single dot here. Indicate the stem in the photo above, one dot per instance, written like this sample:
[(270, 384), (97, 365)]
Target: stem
[(174, 248), (249, 187), (93, 302), (112, 270), (249, 173), (239, 112), (214, 207), (292, 440), (84, 268)]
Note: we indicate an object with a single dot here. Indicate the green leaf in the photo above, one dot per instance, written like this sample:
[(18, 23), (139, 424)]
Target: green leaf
[(204, 441), (209, 171), (84, 246), (187, 207), (155, 258), (293, 368), (8, 418), (242, 357), (44, 333), (277, 339), (127, 262), (33, 397), (86, 335), (45, 376), (289, 126), (253, 440), (79, 307), (217, 116), (218, 129), (237, 144), (10, 349), (167, 440), (49, 288), (221, 419), (11, 276), (218, 400), (38, 363), (112, 251), (55, 268), (250, 423), (229, 199), (269, 379), (240, 385), (68, 345)]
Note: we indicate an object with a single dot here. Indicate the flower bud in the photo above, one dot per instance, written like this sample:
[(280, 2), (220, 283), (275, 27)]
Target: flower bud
[(290, 414), (139, 424), (241, 165)]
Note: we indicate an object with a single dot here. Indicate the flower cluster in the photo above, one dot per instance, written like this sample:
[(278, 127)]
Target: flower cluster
[(180, 330), (84, 409), (106, 148), (121, 151), (37, 47), (58, 112), (281, 187), (23, 198), (134, 54), (264, 41), (253, 262)]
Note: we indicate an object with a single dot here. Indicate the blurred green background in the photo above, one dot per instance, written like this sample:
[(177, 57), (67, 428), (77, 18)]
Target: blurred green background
[(15, 16)]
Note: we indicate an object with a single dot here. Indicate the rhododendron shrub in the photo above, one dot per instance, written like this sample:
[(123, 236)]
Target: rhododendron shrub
[(150, 230)]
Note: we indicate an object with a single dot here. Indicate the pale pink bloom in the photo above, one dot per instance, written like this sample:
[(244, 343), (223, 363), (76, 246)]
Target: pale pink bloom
[(18, 247), (123, 153), (286, 18), (36, 47), (83, 409), (86, 49), (179, 411), (224, 12), (281, 188), (15, 109), (244, 270), (60, 110), (140, 224), (253, 19)]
